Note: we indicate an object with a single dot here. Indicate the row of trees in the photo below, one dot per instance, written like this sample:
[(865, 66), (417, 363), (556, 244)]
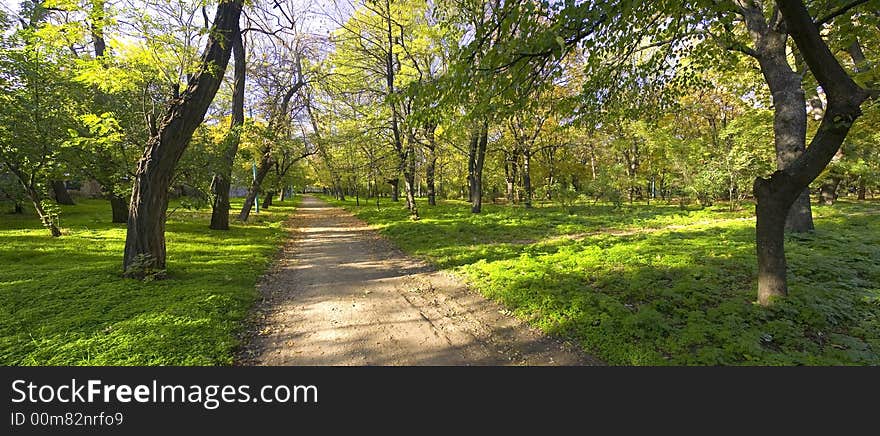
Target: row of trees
[(619, 101), (518, 101), (119, 93)]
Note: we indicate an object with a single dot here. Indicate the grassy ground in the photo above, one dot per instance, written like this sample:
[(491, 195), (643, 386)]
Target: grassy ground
[(655, 285), (64, 302)]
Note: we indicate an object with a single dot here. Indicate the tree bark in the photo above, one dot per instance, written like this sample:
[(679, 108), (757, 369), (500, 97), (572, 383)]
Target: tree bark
[(222, 179), (145, 238), (267, 200), (863, 189), (60, 193), (770, 240), (119, 207)]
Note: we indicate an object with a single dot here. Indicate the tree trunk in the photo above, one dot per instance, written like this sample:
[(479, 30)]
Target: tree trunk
[(47, 221), (18, 208), (60, 193), (395, 189), (775, 195), (145, 238), (119, 207), (404, 153), (281, 194), (800, 214), (508, 179), (863, 189), (429, 171), (479, 160), (429, 180), (770, 240), (828, 191), (409, 175), (97, 28), (267, 200), (32, 194), (527, 177), (789, 101), (262, 170), (221, 181), (510, 176), (471, 163), (220, 206)]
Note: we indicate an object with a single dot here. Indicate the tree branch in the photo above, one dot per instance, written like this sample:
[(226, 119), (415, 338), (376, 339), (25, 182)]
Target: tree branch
[(844, 9), (828, 72)]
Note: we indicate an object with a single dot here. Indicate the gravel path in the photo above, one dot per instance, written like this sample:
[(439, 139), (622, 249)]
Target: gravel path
[(340, 294)]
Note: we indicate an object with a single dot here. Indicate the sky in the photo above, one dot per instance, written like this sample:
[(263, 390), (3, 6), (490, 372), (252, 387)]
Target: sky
[(321, 20)]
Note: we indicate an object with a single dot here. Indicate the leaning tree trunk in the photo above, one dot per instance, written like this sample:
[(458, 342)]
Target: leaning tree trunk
[(221, 181), (145, 238), (267, 201), (119, 207), (47, 221), (60, 193), (785, 186), (262, 170), (527, 177), (35, 197)]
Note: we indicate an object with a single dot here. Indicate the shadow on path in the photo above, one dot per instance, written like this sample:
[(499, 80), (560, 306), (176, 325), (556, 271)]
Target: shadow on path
[(342, 295)]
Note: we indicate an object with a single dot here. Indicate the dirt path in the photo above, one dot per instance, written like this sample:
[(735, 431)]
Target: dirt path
[(342, 295)]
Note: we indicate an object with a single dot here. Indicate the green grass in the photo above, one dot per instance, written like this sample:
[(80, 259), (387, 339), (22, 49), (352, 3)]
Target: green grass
[(64, 302), (657, 285)]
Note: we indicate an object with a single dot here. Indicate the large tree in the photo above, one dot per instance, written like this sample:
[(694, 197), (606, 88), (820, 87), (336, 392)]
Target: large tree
[(145, 239), (222, 179), (776, 194)]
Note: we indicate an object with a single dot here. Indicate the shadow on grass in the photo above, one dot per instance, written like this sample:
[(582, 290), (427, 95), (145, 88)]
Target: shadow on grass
[(64, 301), (678, 296)]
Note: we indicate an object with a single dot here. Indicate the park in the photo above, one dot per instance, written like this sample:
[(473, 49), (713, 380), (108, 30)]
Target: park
[(452, 183)]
